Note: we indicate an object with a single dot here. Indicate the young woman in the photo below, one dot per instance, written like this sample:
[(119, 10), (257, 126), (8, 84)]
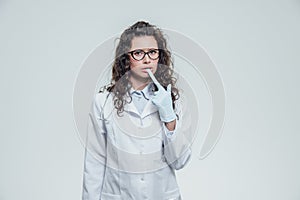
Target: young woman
[(134, 142)]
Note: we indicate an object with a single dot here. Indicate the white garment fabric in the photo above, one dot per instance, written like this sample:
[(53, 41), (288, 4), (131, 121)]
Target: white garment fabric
[(132, 156)]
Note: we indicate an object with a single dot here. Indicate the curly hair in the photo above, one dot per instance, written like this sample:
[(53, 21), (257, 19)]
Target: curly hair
[(120, 84)]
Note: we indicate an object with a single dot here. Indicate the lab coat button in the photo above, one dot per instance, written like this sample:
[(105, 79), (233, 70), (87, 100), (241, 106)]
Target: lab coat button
[(142, 179)]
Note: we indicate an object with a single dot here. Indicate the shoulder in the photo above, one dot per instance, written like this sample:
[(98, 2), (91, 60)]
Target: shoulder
[(100, 98), (102, 95)]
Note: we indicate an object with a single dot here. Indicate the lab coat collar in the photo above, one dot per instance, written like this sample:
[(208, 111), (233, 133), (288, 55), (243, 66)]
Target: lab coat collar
[(147, 91), (149, 107)]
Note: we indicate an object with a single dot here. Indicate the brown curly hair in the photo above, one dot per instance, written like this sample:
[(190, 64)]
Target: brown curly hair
[(120, 84)]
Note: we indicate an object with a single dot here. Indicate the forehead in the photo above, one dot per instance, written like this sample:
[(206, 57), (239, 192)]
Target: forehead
[(143, 42)]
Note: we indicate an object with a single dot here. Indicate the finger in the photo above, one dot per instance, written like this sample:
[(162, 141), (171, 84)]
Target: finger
[(153, 77)]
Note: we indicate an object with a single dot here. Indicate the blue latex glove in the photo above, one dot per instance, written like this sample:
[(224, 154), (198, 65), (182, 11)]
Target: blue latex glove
[(163, 100)]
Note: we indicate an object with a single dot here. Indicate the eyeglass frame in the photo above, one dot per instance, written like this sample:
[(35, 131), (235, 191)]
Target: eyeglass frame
[(131, 53)]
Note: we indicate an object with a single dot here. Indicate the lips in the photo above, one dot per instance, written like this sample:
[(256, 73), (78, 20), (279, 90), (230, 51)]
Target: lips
[(144, 69)]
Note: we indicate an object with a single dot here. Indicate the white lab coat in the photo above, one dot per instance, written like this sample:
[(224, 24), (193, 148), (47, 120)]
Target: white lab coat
[(138, 160)]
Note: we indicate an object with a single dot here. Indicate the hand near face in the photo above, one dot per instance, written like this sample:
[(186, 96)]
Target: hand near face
[(163, 100)]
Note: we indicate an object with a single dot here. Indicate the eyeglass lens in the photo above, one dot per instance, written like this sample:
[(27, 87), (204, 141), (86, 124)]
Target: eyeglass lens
[(139, 54)]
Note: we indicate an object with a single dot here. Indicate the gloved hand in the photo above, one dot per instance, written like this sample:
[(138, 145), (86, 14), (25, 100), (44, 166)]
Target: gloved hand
[(163, 100)]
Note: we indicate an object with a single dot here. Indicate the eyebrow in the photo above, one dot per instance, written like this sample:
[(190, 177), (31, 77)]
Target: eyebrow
[(152, 48)]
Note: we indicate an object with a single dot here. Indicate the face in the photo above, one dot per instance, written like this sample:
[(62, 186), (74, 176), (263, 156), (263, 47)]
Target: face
[(138, 67)]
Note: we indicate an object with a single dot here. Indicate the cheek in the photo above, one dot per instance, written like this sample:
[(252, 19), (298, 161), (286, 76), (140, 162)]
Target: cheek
[(133, 63), (155, 67)]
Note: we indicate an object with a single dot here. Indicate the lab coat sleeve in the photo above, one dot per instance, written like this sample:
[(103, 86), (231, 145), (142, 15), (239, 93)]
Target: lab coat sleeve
[(95, 153), (177, 147)]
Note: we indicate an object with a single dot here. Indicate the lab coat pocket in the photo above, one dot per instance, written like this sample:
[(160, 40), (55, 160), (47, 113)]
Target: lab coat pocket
[(172, 195), (108, 196)]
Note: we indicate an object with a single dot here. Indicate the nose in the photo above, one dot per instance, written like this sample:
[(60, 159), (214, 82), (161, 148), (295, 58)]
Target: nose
[(146, 59)]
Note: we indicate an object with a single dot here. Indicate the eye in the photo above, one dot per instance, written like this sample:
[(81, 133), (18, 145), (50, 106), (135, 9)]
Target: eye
[(153, 51), (138, 53)]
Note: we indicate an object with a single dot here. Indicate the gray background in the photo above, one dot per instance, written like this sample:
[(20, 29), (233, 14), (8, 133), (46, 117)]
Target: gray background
[(255, 46)]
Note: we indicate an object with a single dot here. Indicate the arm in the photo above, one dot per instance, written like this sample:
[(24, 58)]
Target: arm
[(176, 146), (177, 149), (95, 153)]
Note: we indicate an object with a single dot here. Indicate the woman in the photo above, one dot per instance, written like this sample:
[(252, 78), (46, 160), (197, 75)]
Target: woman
[(134, 142)]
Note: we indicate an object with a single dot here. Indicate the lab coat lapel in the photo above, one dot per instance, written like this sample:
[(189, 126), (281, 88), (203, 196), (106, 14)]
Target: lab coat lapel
[(149, 109), (130, 107)]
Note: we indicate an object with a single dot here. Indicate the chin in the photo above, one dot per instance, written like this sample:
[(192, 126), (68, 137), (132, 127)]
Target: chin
[(140, 76), (145, 77)]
